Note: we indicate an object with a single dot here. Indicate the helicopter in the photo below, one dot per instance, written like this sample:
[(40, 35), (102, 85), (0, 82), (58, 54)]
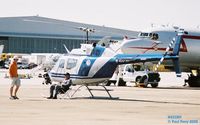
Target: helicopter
[(99, 65)]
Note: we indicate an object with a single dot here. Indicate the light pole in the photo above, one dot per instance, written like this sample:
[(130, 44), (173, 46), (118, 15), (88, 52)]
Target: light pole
[(87, 30)]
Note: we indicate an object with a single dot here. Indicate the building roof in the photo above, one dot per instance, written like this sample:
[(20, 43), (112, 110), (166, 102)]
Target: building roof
[(36, 26)]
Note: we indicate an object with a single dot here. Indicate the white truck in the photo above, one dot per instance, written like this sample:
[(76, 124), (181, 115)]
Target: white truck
[(138, 74)]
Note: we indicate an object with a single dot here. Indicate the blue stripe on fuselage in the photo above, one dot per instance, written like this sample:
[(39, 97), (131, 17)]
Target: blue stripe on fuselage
[(86, 66), (89, 61), (97, 51), (62, 75), (107, 69)]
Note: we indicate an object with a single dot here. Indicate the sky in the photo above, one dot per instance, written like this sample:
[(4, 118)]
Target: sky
[(123, 14)]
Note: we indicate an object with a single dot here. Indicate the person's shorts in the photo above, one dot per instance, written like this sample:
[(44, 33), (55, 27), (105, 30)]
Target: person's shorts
[(15, 81)]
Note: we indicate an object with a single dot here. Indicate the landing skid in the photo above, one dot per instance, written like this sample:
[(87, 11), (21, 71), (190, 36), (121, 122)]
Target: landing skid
[(90, 91)]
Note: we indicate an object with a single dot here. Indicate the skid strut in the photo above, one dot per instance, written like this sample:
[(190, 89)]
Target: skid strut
[(90, 90)]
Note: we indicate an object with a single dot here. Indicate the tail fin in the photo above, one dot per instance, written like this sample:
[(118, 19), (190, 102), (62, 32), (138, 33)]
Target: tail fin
[(176, 50), (177, 46), (177, 67)]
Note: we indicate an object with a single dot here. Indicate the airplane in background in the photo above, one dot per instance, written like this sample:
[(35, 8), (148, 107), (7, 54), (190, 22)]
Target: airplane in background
[(156, 39), (101, 63)]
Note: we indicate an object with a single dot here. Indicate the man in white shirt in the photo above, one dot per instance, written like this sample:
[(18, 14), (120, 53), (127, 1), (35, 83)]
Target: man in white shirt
[(55, 89)]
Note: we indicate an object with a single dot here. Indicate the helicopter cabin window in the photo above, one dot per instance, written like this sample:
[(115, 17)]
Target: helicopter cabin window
[(61, 63), (71, 63)]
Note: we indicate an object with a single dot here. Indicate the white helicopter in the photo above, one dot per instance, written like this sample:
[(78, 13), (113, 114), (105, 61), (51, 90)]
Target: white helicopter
[(100, 64)]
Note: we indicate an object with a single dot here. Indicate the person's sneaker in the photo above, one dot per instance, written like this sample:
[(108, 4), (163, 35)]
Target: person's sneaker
[(55, 97), (50, 97), (12, 98), (15, 97)]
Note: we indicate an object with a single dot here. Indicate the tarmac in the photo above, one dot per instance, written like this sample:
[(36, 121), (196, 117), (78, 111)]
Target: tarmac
[(169, 104)]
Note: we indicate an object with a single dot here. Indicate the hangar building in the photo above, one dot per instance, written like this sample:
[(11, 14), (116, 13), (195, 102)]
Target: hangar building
[(34, 34)]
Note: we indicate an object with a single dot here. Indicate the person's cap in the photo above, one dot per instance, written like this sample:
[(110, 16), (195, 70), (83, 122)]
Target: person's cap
[(15, 58)]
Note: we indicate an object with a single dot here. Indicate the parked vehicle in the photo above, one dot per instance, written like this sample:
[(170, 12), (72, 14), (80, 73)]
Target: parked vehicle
[(20, 65), (138, 74)]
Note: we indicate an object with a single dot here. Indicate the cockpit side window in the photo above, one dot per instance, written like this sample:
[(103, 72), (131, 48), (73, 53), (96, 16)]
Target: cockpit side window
[(61, 63), (71, 63), (142, 34), (150, 35), (154, 36)]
